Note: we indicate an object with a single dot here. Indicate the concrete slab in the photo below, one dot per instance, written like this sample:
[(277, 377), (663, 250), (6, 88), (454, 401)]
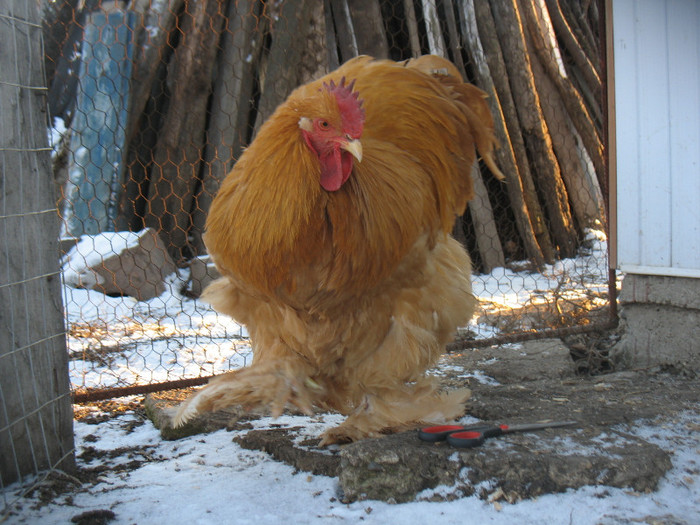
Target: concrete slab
[(660, 320)]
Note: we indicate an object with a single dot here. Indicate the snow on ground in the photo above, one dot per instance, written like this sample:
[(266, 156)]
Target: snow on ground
[(118, 341), (208, 479)]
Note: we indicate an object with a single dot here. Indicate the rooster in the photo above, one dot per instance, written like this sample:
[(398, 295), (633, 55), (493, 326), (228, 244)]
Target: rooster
[(332, 235)]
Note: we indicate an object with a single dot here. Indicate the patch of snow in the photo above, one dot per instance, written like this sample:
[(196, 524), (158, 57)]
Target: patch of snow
[(461, 373), (56, 134), (209, 479)]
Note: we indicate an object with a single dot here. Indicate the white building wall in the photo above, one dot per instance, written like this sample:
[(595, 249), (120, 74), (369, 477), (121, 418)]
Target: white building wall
[(657, 101)]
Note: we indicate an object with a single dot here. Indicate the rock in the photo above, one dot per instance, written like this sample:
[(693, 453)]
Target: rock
[(66, 244), (679, 292), (120, 263), (279, 444), (202, 272), (660, 317), (398, 467), (394, 468), (605, 400), (528, 361), (158, 404), (94, 517)]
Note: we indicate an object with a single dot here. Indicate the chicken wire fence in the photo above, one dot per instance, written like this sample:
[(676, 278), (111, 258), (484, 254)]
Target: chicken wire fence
[(152, 102)]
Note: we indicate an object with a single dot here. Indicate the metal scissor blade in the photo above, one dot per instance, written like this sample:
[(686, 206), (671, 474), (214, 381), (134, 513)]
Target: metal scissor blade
[(537, 426)]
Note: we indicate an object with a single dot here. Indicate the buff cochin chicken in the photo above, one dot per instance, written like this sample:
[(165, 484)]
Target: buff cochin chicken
[(332, 235)]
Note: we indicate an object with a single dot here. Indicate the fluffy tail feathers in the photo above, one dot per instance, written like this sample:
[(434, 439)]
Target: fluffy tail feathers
[(477, 111)]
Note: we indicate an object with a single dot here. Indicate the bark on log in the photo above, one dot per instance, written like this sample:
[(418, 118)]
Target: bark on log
[(289, 30), (370, 34), (344, 30), (577, 19), (331, 38), (584, 196), (36, 433), (57, 21), (139, 159), (509, 27), (436, 43), (178, 153), (412, 24), (583, 190), (480, 210), (454, 38), (153, 48), (505, 157), (229, 125), (258, 64), (63, 29), (152, 53), (511, 134), (540, 28), (589, 69)]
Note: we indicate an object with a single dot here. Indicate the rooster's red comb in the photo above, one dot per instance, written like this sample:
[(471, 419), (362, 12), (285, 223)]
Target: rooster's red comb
[(349, 104)]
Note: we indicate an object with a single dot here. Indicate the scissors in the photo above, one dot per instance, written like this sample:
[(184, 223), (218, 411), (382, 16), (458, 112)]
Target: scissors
[(471, 436)]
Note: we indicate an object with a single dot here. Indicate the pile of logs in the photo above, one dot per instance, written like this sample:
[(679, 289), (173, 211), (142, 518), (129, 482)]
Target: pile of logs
[(206, 74)]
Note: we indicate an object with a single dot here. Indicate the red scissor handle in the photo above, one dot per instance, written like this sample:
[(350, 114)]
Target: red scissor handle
[(467, 439), (439, 433), (444, 432), (474, 435)]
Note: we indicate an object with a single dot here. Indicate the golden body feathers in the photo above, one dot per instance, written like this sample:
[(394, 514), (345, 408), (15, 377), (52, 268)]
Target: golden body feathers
[(350, 295)]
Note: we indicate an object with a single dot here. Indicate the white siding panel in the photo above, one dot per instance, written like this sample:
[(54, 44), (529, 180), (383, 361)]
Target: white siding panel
[(653, 134), (657, 98), (626, 104), (684, 74)]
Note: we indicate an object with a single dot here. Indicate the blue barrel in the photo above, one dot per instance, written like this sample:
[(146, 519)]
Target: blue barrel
[(97, 148)]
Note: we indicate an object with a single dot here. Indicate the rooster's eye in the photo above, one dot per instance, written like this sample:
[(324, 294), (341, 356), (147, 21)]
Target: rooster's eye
[(324, 124)]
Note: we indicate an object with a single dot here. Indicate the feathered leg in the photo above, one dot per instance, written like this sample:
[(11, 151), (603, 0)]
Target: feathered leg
[(278, 376), (267, 385), (390, 391), (395, 410)]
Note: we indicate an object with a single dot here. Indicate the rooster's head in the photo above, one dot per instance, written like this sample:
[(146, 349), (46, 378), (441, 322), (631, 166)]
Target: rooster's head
[(333, 132)]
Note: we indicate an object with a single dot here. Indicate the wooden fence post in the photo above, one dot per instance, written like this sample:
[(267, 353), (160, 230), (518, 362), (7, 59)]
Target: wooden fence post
[(36, 416)]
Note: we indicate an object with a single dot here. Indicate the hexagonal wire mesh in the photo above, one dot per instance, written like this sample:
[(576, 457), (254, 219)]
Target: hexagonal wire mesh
[(152, 103)]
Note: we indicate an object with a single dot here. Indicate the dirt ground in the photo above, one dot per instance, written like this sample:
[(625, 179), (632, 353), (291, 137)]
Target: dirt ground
[(545, 380)]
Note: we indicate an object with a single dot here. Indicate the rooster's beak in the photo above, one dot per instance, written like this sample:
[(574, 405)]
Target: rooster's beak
[(354, 147)]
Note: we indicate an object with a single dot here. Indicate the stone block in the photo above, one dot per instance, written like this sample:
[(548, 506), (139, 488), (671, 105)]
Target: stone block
[(655, 334), (528, 361), (660, 317), (66, 244), (399, 467), (120, 263), (606, 448), (683, 292), (202, 272), (515, 363)]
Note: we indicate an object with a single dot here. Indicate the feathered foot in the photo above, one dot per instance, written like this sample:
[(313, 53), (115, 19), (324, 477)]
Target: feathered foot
[(253, 387), (397, 410)]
